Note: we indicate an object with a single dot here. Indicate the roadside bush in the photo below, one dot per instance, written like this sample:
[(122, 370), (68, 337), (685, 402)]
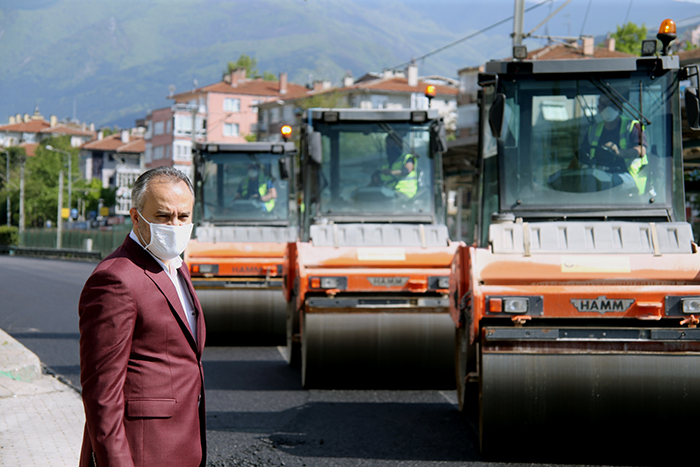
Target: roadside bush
[(8, 235)]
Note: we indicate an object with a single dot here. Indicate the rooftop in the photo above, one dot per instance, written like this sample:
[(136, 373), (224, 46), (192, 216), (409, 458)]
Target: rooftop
[(572, 52), (249, 87), (114, 143)]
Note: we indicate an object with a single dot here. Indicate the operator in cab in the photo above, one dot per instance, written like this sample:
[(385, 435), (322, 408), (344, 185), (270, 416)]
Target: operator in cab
[(258, 185), (399, 172), (616, 142)]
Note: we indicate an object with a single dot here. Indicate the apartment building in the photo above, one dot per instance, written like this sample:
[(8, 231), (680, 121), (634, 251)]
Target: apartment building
[(223, 112), (387, 90), (32, 129), (117, 160)]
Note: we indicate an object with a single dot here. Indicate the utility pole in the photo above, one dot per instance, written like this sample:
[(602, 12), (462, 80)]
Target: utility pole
[(70, 172), (518, 18), (22, 161), (195, 109), (7, 186), (59, 221)]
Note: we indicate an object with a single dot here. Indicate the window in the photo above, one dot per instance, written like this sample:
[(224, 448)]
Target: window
[(356, 175), (158, 152), (181, 151), (231, 129), (379, 102), (158, 128), (232, 105), (183, 124), (254, 105), (553, 149), (225, 174)]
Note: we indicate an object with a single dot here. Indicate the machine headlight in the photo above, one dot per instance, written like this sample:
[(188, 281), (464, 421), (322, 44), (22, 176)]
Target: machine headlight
[(328, 282), (516, 305), (691, 305), (205, 268), (444, 282)]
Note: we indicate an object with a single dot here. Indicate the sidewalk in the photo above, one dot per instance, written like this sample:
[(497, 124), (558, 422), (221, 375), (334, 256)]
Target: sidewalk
[(41, 419)]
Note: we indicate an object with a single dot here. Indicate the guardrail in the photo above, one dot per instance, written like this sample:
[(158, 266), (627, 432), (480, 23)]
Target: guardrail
[(52, 253)]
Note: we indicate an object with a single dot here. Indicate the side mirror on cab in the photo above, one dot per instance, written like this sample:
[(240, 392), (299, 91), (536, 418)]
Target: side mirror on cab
[(692, 98), (315, 147), (284, 168), (692, 108), (496, 113)]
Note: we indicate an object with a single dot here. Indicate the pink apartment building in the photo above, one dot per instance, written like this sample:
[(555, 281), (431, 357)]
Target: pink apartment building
[(224, 112)]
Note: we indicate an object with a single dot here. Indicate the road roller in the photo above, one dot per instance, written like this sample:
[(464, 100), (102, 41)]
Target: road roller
[(576, 306), (368, 281), (243, 223)]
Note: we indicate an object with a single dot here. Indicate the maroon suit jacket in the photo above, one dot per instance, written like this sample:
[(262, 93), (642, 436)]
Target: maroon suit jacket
[(140, 368)]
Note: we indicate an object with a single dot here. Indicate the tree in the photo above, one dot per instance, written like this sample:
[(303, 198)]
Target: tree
[(629, 37), (251, 68), (41, 180), (10, 187)]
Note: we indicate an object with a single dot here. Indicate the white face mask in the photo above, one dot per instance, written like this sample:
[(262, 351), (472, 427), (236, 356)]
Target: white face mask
[(609, 114), (252, 174), (168, 241)]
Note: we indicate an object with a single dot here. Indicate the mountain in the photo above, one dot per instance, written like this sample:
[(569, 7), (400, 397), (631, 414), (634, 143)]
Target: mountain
[(110, 62)]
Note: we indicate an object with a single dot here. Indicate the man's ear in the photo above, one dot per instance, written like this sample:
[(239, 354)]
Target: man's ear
[(133, 213)]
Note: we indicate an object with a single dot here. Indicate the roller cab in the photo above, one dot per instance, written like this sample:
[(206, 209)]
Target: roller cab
[(369, 300), (576, 307), (243, 225)]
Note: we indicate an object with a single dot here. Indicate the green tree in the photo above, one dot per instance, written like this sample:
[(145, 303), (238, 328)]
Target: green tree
[(251, 68), (629, 37), (41, 180), (10, 187)]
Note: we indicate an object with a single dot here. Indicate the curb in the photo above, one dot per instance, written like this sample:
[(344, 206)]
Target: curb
[(16, 361)]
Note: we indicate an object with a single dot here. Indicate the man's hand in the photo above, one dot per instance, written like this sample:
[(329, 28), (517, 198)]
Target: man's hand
[(612, 147)]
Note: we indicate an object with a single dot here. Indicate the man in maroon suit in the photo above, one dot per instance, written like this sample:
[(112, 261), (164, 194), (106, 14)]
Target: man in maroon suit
[(142, 336)]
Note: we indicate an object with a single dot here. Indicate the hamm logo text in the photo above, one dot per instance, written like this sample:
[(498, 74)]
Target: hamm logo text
[(602, 304)]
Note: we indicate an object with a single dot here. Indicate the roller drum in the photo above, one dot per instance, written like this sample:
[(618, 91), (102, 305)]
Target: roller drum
[(245, 316), (404, 350), (609, 406)]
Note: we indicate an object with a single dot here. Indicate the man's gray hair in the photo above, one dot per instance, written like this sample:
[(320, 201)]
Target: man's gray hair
[(163, 172)]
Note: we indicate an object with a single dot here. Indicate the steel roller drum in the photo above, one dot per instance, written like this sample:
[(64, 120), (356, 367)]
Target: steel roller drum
[(631, 407), (407, 350), (244, 316)]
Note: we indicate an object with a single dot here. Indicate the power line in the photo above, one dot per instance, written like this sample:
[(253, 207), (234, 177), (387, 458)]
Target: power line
[(585, 18), (629, 8), (470, 36)]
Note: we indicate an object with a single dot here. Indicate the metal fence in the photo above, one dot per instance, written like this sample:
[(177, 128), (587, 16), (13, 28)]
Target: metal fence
[(104, 241)]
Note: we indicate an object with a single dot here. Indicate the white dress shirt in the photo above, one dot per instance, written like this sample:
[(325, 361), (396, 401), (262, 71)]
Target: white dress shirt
[(180, 285)]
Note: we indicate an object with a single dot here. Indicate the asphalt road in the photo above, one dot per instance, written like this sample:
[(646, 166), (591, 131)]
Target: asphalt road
[(257, 412)]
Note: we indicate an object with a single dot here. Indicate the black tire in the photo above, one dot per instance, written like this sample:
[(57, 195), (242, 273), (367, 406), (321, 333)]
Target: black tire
[(293, 343)]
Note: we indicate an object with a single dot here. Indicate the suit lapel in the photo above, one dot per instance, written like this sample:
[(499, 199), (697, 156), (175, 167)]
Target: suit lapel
[(201, 329), (161, 279)]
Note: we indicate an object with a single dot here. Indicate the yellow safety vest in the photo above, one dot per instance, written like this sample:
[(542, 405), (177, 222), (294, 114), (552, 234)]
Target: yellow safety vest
[(407, 185), (262, 191), (634, 166)]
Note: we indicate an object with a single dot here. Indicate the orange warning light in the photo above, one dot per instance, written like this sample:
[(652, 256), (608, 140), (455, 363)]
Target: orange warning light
[(668, 26), (286, 131), (430, 91)]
